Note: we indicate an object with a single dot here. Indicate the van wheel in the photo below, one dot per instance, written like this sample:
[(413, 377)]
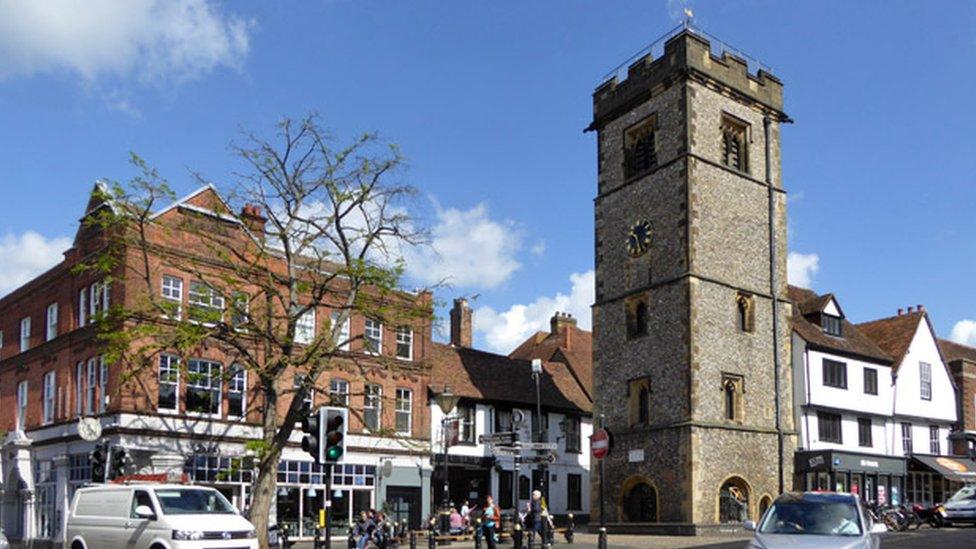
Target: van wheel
[(77, 545), (157, 546)]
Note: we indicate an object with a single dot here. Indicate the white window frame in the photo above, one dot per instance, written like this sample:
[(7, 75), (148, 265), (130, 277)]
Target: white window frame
[(338, 392), (172, 366), (210, 298), (79, 387), (171, 289), (25, 332), (403, 395), (240, 312), (214, 382), (52, 321), (305, 327), (237, 385), (404, 335), (102, 384), (94, 299), (21, 405), (935, 441), (309, 399), (50, 380), (82, 307), (925, 380), (373, 399), (91, 387), (343, 337), (368, 340)]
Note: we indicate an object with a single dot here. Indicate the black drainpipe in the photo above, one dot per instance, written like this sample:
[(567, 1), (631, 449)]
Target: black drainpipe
[(774, 291)]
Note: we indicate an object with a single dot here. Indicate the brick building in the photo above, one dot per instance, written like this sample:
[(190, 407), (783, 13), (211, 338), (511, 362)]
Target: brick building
[(962, 363), (195, 417)]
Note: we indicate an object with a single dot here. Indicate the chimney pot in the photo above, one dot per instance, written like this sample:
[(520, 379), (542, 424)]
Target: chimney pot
[(461, 323), (919, 308), (910, 309), (901, 311)]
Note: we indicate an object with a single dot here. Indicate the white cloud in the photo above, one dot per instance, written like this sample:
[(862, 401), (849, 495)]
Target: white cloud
[(539, 248), (467, 249), (504, 330), (964, 332), (152, 40), (26, 256), (802, 268)]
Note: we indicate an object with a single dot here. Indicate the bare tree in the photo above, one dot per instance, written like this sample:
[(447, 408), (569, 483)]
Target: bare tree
[(321, 228)]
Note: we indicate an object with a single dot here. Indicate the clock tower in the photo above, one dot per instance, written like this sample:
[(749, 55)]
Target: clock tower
[(691, 342)]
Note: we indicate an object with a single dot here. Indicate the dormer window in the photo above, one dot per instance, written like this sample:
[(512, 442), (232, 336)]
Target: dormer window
[(831, 325)]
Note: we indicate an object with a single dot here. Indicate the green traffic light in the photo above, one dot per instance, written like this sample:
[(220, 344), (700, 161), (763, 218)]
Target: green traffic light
[(333, 453)]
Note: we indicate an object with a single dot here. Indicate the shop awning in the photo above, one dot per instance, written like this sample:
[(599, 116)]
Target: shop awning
[(953, 468)]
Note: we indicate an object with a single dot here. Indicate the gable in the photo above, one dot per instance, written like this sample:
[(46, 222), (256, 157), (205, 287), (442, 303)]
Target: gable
[(832, 309)]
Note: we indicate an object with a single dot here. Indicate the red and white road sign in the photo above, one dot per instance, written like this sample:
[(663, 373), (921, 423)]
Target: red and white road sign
[(600, 443)]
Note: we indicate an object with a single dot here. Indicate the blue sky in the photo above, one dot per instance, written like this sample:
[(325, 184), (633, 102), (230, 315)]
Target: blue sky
[(488, 102)]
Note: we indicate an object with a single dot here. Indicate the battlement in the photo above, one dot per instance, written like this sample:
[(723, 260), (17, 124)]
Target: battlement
[(686, 52)]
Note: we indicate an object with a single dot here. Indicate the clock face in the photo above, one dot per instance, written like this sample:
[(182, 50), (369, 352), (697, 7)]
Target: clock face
[(639, 239), (89, 428)]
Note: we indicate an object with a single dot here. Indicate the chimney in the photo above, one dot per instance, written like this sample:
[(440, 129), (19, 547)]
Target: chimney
[(461, 323), (910, 309), (920, 308), (253, 219), (901, 311), (559, 324)]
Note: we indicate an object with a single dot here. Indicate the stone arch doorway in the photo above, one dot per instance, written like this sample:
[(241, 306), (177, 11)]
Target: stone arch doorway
[(638, 500), (764, 503), (733, 501)]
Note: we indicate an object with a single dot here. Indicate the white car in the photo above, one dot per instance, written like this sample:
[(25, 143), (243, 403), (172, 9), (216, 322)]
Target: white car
[(961, 507), (155, 516)]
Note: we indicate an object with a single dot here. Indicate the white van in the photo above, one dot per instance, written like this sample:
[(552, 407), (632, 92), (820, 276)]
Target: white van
[(155, 516)]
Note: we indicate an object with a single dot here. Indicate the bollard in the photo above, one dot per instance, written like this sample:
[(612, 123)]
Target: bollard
[(477, 533), (413, 540), (570, 529), (351, 542), (517, 536), (431, 535), (601, 542)]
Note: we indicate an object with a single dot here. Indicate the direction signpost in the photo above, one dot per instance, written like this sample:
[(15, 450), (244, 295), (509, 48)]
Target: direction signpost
[(538, 446), (497, 439)]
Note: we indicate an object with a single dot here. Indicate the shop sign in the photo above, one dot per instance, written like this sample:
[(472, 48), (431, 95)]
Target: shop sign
[(869, 463), (816, 461), (635, 456)]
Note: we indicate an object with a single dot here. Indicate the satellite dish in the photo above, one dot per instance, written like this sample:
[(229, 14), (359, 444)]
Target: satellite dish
[(387, 468)]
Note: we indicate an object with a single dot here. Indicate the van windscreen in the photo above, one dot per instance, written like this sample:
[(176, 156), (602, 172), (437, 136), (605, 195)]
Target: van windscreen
[(189, 501)]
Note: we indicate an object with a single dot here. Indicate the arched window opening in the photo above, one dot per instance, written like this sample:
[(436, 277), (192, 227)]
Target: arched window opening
[(733, 501), (640, 504)]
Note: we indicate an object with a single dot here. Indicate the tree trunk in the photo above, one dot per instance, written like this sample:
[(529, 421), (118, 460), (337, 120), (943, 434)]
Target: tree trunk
[(263, 493)]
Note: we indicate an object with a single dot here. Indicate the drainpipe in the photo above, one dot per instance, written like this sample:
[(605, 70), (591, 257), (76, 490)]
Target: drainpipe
[(774, 291)]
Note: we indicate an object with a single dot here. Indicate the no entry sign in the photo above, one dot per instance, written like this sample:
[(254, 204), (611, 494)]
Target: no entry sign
[(600, 443)]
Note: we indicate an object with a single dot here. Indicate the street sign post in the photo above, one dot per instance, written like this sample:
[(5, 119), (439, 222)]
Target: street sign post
[(600, 443), (545, 458), (504, 451), (498, 439), (538, 445)]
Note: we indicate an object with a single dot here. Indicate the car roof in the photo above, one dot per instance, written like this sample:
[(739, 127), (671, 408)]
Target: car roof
[(816, 497), (147, 486)]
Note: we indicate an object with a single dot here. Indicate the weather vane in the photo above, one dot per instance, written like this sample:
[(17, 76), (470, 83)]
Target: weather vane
[(689, 15)]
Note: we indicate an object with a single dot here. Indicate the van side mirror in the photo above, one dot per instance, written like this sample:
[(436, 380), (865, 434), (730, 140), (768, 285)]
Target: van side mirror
[(749, 525), (878, 528), (145, 512)]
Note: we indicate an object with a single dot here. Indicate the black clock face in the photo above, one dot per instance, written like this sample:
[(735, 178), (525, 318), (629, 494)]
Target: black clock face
[(639, 239)]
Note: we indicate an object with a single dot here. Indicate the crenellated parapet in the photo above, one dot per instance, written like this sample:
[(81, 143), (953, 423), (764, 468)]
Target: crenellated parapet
[(686, 55)]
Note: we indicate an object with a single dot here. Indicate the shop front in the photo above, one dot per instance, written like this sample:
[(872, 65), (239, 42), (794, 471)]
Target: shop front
[(470, 479), (933, 479), (876, 479)]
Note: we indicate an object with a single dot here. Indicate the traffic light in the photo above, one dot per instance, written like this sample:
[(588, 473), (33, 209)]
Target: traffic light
[(120, 460), (335, 433), (311, 442), (97, 458)]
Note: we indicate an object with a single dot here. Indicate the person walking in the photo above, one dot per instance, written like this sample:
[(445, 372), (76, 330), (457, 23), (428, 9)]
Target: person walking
[(492, 516)]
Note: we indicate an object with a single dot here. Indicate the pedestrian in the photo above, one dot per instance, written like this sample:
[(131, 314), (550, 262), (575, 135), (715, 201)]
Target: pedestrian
[(492, 516), (466, 514)]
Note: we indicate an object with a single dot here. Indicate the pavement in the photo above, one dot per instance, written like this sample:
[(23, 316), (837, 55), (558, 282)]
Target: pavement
[(961, 537)]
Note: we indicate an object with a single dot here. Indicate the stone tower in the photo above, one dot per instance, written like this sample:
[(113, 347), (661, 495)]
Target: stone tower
[(686, 274)]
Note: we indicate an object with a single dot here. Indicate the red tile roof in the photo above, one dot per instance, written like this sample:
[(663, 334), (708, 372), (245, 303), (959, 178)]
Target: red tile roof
[(852, 341), (484, 376), (570, 346), (953, 351), (894, 334)]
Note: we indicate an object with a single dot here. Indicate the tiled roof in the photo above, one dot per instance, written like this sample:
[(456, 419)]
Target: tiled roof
[(853, 341), (953, 351), (570, 346), (893, 334), (484, 376)]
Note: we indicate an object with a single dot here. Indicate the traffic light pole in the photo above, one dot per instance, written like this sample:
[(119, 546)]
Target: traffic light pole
[(328, 505)]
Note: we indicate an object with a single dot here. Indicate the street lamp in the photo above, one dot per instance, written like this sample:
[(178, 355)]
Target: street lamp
[(446, 401), (540, 436)]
